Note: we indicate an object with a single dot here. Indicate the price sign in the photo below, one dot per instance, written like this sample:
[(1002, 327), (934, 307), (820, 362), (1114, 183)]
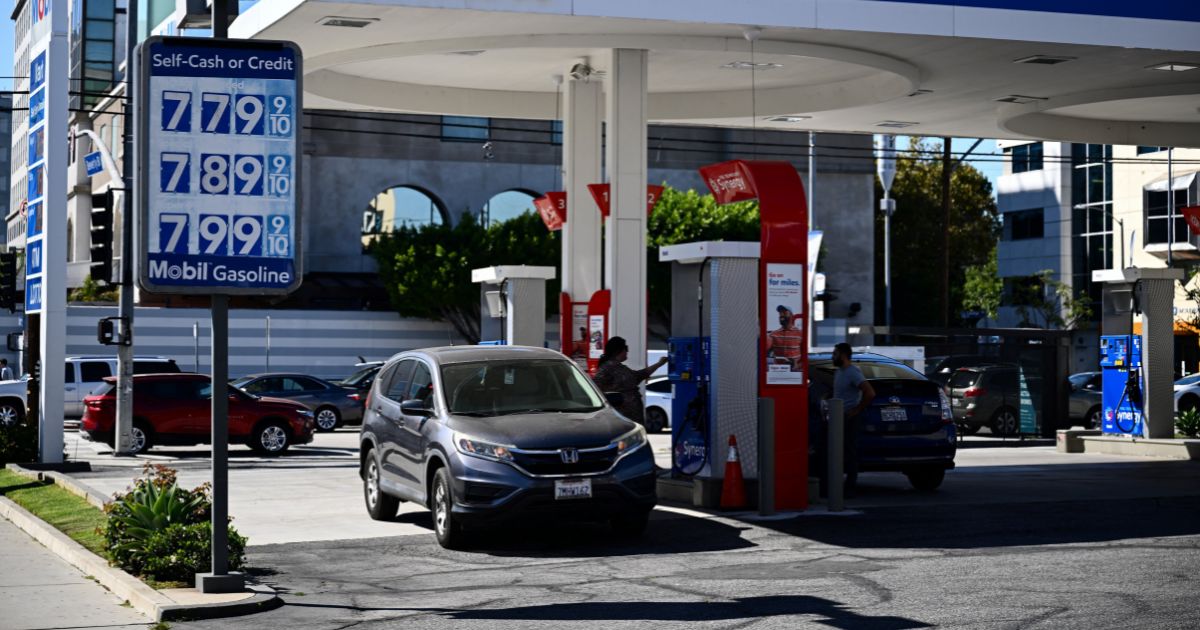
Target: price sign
[(219, 211)]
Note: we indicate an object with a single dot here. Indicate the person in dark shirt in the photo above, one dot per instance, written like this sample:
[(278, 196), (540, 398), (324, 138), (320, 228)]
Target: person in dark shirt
[(614, 376)]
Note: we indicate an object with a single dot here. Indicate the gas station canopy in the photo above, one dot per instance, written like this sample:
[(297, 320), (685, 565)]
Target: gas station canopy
[(1114, 74)]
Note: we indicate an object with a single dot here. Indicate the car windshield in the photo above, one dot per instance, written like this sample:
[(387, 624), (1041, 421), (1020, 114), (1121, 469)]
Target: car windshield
[(241, 382), (489, 388), (871, 369), (358, 377)]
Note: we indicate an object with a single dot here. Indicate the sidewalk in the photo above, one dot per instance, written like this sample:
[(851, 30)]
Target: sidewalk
[(39, 590)]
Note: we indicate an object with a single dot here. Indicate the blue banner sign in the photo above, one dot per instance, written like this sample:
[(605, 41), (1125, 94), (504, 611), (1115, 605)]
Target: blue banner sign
[(94, 163)]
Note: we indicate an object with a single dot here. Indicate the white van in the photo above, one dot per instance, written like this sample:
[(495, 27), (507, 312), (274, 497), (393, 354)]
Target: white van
[(84, 374)]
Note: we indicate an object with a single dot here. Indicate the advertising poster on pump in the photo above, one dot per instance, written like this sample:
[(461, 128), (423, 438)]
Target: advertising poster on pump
[(785, 337)]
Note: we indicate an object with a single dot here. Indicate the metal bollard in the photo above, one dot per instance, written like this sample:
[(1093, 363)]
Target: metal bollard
[(766, 456), (835, 444)]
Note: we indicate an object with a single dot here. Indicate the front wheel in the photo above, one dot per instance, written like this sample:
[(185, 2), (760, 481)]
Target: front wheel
[(270, 438), (656, 420), (1188, 403), (449, 531), (380, 505), (11, 413), (327, 419), (926, 480), (1092, 420)]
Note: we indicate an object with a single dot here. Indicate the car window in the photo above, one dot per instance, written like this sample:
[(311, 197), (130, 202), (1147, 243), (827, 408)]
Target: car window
[(422, 383), (94, 371), (308, 384), (361, 378), (963, 378), (1096, 382), (1189, 380), (155, 367), (69, 376), (396, 388), (290, 385), (659, 387), (255, 386)]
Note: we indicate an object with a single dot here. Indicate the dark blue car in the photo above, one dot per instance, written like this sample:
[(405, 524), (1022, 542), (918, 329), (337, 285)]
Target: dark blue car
[(909, 427)]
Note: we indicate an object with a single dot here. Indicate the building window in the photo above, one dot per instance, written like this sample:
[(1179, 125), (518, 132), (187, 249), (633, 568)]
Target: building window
[(1159, 215), (1024, 224), (1091, 217), (556, 132), (465, 128), (1142, 150), (1025, 157)]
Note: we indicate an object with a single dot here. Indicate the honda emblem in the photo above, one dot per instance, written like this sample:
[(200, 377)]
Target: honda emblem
[(569, 455)]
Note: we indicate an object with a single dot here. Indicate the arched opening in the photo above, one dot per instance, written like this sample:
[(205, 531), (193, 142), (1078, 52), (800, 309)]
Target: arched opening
[(507, 205), (401, 206)]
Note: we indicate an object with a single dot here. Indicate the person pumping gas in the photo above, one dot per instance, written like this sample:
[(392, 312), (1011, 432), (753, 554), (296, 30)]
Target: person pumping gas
[(613, 376)]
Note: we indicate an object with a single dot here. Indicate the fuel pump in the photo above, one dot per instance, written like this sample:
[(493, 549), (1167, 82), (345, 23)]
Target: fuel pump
[(1121, 367), (689, 371)]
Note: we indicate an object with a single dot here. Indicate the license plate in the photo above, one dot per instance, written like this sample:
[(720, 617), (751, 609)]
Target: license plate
[(573, 489), (895, 414)]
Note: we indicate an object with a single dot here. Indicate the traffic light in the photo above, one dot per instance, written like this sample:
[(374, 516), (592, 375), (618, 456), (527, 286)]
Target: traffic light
[(8, 281), (102, 237)]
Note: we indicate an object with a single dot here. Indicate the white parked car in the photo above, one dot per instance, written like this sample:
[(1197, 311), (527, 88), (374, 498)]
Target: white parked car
[(659, 394), (1187, 393), (85, 374), (12, 401)]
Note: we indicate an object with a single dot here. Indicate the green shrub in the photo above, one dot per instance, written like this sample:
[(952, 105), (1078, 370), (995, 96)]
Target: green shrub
[(180, 551), (154, 528), (1188, 423), (18, 444)]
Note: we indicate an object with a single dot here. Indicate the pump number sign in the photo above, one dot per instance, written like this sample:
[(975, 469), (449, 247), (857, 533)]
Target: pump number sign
[(218, 206)]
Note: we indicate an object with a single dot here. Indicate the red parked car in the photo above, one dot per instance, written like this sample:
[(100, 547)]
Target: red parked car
[(175, 409)]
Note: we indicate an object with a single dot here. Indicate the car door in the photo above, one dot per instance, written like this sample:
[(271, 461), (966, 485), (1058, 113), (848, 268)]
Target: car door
[(412, 435), (386, 404), (72, 402)]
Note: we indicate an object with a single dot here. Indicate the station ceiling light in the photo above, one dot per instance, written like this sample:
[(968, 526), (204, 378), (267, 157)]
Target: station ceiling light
[(346, 22), (788, 119), (1174, 66), (1045, 60), (1019, 99), (752, 65), (895, 124)]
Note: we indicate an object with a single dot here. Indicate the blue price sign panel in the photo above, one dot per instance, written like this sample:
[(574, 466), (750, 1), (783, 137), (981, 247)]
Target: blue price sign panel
[(35, 193), (219, 210)]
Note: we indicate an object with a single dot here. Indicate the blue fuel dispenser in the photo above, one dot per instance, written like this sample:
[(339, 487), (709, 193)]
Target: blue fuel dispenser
[(1121, 367), (689, 369)]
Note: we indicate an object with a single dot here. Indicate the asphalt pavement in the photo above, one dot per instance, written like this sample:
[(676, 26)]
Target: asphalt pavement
[(1019, 536)]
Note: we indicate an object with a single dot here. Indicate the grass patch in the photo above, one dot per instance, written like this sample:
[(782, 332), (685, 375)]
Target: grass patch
[(70, 514)]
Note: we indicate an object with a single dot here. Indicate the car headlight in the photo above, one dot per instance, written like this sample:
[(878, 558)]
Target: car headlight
[(630, 441), (479, 448)]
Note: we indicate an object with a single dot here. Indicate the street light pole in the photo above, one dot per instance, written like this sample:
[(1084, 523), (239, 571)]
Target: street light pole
[(887, 175), (123, 438)]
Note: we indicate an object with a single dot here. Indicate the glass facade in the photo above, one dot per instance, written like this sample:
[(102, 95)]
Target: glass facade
[(1024, 224), (93, 51), (1091, 217), (465, 128), (1159, 215), (1025, 157)]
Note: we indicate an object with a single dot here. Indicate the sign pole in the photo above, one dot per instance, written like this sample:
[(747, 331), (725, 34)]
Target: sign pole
[(123, 440)]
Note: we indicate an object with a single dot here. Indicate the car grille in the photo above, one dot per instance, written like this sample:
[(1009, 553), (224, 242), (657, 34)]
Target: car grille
[(549, 463)]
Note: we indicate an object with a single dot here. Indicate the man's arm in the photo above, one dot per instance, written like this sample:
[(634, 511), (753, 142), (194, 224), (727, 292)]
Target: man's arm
[(868, 394)]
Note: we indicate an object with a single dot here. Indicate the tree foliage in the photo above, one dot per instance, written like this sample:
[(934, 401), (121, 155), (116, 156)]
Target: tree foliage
[(427, 270), (1047, 302), (917, 234), (983, 290)]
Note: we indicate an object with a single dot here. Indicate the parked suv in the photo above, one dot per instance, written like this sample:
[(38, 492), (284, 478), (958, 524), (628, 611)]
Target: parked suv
[(989, 396), (485, 434), (176, 409), (85, 374)]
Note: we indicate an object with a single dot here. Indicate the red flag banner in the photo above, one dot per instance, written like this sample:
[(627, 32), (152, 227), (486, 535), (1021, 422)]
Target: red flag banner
[(1192, 214), (553, 208), (600, 193)]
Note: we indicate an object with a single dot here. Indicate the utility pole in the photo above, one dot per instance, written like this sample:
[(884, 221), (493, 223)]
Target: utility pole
[(123, 438)]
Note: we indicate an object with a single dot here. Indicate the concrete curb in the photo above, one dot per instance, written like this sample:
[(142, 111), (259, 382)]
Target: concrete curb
[(146, 600)]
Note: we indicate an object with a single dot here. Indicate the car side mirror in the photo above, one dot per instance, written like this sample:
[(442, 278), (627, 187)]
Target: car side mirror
[(614, 398), (415, 407)]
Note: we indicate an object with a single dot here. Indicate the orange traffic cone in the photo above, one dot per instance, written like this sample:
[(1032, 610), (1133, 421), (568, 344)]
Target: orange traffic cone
[(733, 487)]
